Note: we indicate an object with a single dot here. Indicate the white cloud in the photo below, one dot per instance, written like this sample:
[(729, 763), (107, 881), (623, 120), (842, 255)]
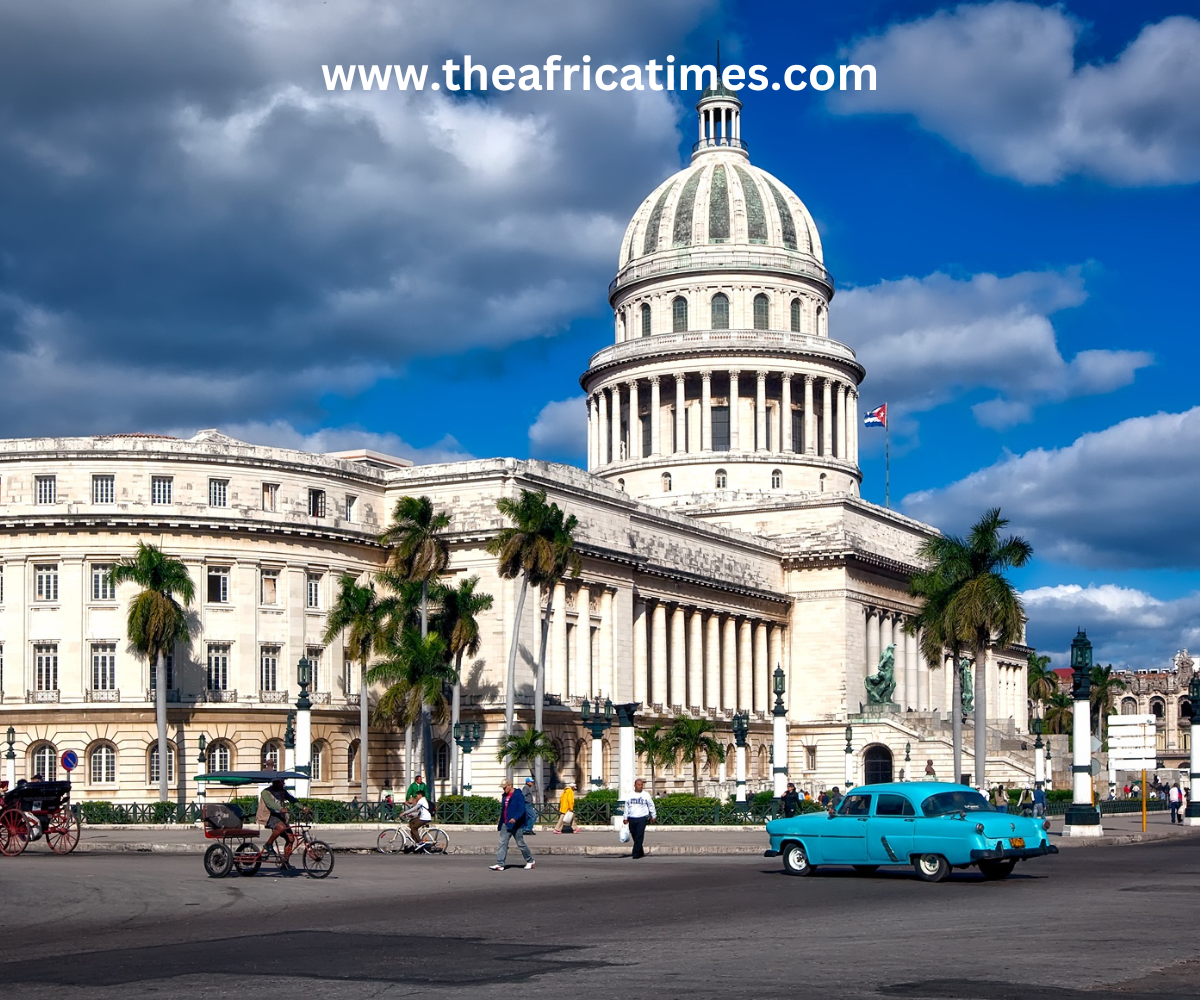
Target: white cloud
[(1124, 496), (1128, 627), (281, 434), (560, 430), (925, 341), (1000, 81)]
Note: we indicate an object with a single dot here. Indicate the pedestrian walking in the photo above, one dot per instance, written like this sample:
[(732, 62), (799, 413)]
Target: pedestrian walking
[(1039, 802), (530, 807), (1025, 802), (566, 809), (835, 798), (639, 810), (1000, 799), (416, 790), (790, 800), (1175, 797), (511, 825)]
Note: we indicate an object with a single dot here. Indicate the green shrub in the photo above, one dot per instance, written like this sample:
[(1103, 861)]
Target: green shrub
[(468, 809), (1059, 795), (596, 807)]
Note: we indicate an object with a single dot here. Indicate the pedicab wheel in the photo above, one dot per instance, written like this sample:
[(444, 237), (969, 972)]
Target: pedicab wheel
[(932, 867), (994, 871), (436, 841), (14, 836), (247, 860), (62, 831), (390, 842), (318, 859), (218, 861)]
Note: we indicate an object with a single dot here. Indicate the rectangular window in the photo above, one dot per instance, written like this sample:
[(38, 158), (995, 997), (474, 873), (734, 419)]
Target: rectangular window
[(810, 758), (46, 489), (720, 428), (644, 423), (153, 779), (218, 667), (104, 666), (169, 664), (103, 489), (798, 431), (316, 503), (351, 504), (314, 591), (218, 585), (45, 665), (1, 593), (102, 585), (268, 674), (313, 653), (270, 496), (218, 492), (270, 586), (45, 580), (161, 489)]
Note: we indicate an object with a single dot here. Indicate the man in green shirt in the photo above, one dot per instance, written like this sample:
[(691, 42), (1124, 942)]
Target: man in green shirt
[(416, 790)]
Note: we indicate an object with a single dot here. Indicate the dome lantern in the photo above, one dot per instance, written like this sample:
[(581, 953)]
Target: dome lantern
[(719, 114)]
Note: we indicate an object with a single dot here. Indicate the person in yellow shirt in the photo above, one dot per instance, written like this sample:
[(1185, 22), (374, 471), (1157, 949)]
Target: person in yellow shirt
[(566, 809)]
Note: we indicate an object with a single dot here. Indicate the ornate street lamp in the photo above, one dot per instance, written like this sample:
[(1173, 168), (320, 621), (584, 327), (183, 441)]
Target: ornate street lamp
[(597, 723), (1082, 818), (907, 761), (303, 727), (10, 759), (779, 760), (1191, 815), (849, 756), (741, 728), (467, 736), (201, 764), (1039, 754)]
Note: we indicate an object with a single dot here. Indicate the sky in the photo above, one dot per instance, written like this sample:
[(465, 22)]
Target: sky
[(196, 232)]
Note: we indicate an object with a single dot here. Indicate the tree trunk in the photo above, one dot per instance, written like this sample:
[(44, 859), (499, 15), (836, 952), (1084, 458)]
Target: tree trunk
[(364, 726), (455, 718), (160, 716), (956, 718), (981, 648), (510, 704), (696, 775), (539, 688), (426, 714), (408, 754)]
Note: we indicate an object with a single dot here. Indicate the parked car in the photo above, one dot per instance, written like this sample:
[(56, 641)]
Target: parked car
[(933, 826)]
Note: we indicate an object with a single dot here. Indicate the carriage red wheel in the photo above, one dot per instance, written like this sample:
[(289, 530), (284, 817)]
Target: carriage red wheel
[(14, 834), (62, 832)]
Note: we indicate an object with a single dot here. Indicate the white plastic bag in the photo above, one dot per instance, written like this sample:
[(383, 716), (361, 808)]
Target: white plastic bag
[(623, 834)]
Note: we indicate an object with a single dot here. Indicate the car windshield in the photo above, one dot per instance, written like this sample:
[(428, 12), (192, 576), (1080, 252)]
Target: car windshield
[(945, 803)]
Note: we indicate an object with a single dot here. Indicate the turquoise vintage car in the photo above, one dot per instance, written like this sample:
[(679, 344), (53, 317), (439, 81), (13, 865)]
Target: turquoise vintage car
[(934, 826)]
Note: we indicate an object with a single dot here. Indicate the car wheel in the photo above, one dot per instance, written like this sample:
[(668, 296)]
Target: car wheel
[(795, 860), (932, 867), (866, 869), (994, 871)]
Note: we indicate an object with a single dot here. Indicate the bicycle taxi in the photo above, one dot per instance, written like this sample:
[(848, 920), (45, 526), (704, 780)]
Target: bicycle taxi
[(235, 848)]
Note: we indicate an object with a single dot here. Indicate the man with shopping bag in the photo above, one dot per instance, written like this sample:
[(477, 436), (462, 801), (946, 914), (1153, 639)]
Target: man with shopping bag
[(639, 810)]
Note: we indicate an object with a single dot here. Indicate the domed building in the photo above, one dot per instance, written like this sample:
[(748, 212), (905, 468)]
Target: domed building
[(725, 550)]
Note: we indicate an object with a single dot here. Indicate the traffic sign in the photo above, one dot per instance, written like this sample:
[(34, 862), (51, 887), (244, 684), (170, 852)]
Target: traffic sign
[(70, 760), (1132, 742), (1096, 744), (1097, 768)]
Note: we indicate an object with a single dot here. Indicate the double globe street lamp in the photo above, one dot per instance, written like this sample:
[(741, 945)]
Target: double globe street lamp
[(741, 728), (467, 736), (597, 722)]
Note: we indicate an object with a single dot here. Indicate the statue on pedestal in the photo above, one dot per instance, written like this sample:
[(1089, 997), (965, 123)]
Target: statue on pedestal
[(967, 683), (882, 684)]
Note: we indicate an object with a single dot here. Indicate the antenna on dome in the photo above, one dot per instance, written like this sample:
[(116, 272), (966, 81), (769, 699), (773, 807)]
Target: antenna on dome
[(718, 63)]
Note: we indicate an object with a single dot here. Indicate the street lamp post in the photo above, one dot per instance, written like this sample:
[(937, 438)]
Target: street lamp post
[(907, 761), (201, 763), (598, 723), (741, 727), (779, 770), (304, 728), (10, 759), (1039, 755), (849, 757), (1191, 815), (626, 751), (467, 737), (289, 743), (1082, 818)]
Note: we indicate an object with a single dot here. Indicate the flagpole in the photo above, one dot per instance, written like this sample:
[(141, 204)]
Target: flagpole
[(887, 464)]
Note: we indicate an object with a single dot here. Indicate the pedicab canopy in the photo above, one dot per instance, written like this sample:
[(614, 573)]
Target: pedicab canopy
[(251, 777)]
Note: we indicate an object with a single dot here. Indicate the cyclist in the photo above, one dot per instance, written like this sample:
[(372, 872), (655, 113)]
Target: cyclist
[(419, 816), (273, 804)]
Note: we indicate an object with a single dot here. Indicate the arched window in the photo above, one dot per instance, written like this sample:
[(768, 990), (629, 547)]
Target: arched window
[(621, 485), (152, 764), (272, 756), (103, 764), (45, 762), (645, 319), (720, 311), (317, 763), (666, 482), (795, 315), (219, 757), (352, 761), (1129, 706), (821, 331), (877, 765), (679, 317), (722, 479), (1158, 708), (1185, 710), (822, 482), (762, 312), (441, 761)]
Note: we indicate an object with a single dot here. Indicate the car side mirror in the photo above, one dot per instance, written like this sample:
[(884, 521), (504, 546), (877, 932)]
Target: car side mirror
[(831, 812)]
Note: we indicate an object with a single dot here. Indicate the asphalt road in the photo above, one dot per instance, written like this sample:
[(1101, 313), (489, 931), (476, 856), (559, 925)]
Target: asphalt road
[(1095, 923)]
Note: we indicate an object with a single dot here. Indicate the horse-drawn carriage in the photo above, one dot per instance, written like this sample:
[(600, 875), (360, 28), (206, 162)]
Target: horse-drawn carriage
[(36, 809)]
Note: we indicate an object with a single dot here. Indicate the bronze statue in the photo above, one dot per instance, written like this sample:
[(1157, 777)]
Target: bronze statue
[(882, 684), (968, 687)]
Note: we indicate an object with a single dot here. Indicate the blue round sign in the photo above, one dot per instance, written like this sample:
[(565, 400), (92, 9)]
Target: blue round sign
[(70, 760)]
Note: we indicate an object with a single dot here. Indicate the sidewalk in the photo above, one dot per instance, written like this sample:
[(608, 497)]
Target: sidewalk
[(591, 841)]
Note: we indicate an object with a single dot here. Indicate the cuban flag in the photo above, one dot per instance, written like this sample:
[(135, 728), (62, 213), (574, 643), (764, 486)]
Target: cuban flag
[(877, 417)]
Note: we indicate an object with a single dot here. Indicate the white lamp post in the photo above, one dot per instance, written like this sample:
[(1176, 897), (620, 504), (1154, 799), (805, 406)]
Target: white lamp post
[(10, 759), (304, 729), (1191, 815), (1082, 818), (599, 723), (779, 723), (849, 757), (201, 763), (1039, 756), (467, 736), (626, 753), (741, 727)]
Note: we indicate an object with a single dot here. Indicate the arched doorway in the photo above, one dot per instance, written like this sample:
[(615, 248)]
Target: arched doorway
[(877, 765)]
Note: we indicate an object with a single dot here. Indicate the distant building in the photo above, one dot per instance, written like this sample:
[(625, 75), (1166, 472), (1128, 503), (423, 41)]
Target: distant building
[(1163, 694)]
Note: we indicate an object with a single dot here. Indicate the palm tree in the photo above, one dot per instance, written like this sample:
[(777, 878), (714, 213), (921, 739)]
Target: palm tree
[(419, 554), (530, 746), (526, 551), (1105, 685), (1042, 681), (651, 743), (1060, 709), (986, 607), (689, 738), (156, 623), (458, 625), (358, 611)]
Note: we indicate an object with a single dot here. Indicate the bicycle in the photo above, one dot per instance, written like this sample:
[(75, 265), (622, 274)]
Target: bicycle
[(398, 840)]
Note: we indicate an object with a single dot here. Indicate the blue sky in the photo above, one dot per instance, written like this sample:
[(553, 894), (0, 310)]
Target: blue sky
[(194, 233)]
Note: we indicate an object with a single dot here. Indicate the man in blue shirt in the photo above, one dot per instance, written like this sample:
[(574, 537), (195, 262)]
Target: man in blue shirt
[(512, 824)]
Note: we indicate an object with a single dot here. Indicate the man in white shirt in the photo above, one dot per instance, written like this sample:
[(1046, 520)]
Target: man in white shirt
[(639, 810), (419, 815)]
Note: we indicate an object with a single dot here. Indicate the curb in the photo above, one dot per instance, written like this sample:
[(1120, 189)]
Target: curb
[(483, 850)]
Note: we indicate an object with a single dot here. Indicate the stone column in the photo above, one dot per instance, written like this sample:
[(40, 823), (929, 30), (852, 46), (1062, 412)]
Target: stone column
[(760, 413), (712, 662), (887, 625), (855, 418), (923, 675), (558, 644), (898, 637), (810, 418), (872, 640), (762, 670), (842, 448), (655, 416), (729, 665), (635, 422), (606, 669), (735, 439), (592, 463), (581, 679), (826, 417), (681, 444), (602, 427), (658, 655), (695, 659), (785, 415), (641, 666), (679, 658), (745, 667), (615, 417), (706, 411)]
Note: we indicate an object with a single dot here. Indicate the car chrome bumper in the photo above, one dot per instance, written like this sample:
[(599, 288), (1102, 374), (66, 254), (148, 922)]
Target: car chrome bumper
[(770, 853), (1014, 853)]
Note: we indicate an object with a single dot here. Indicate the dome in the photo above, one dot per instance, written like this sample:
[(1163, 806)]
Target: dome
[(721, 198)]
